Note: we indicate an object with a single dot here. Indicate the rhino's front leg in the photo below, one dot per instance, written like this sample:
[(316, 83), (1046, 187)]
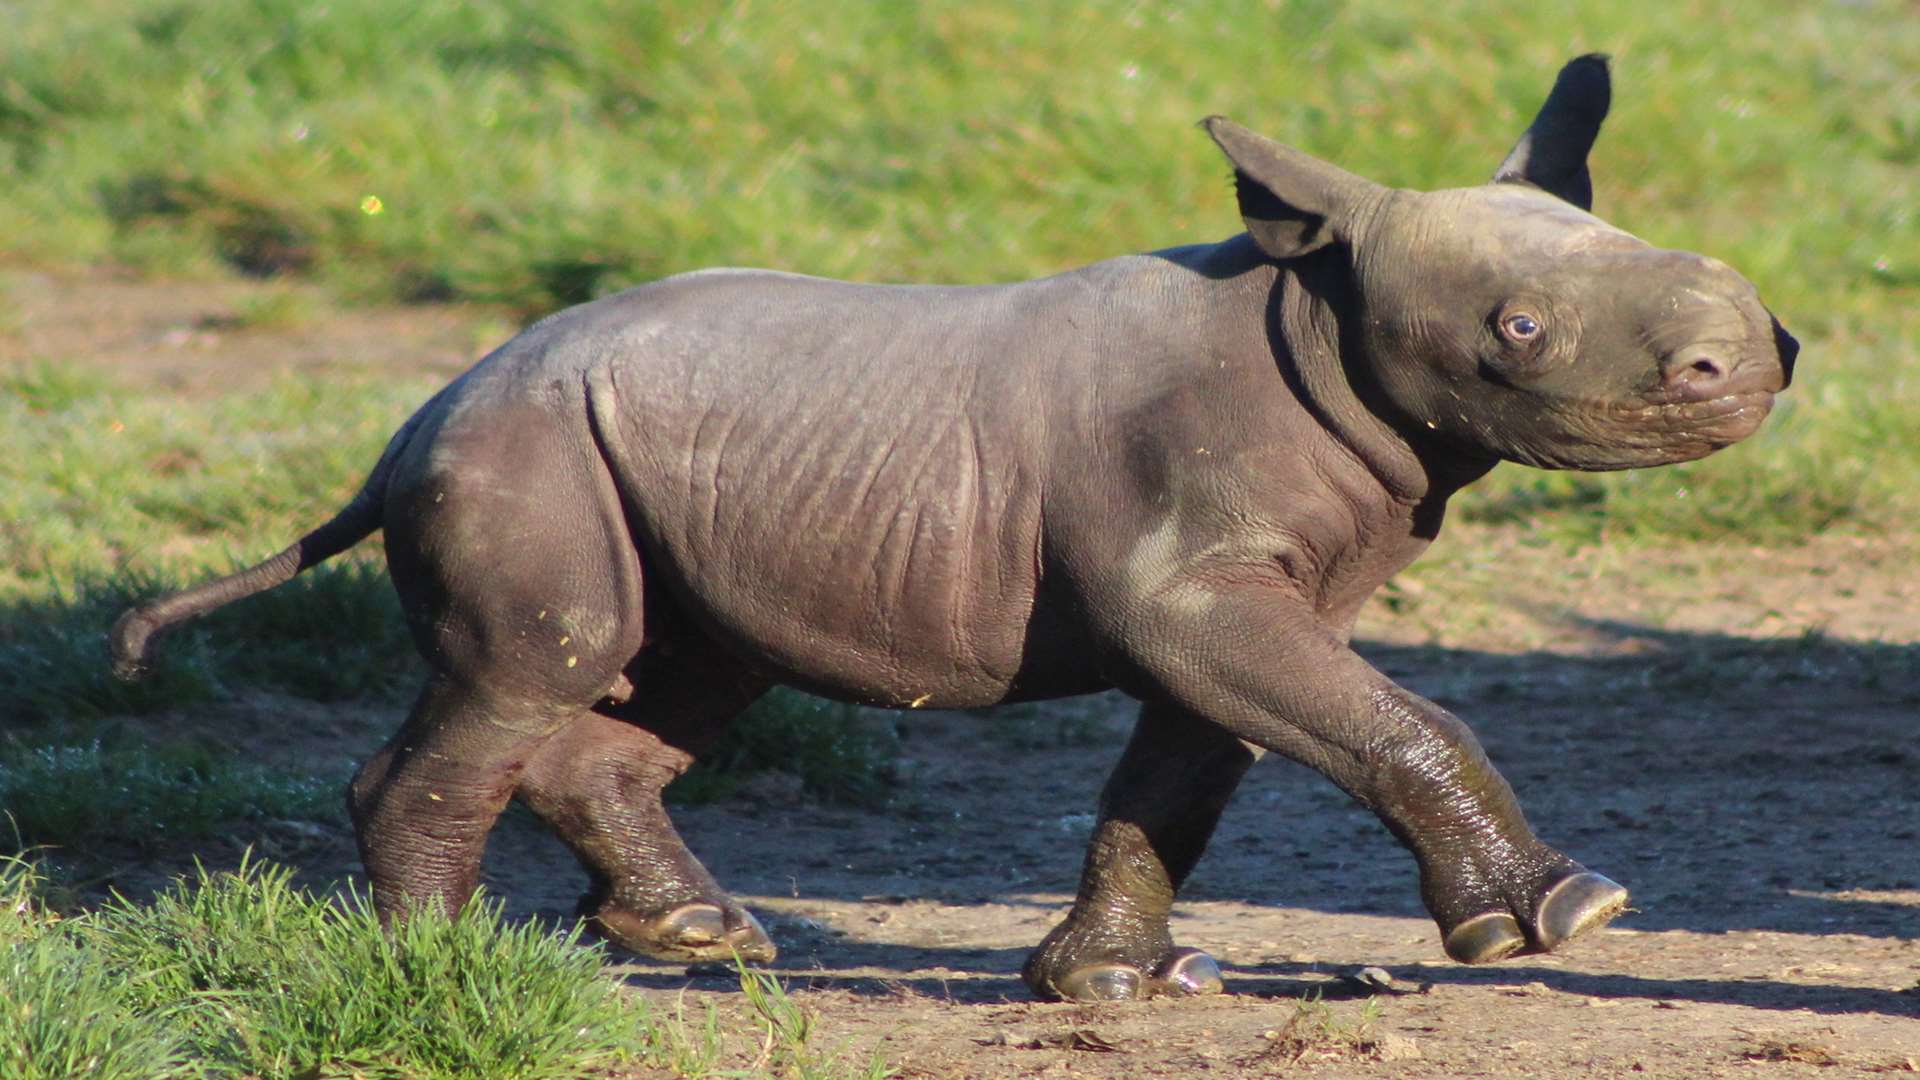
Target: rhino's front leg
[(1263, 667), (1156, 813)]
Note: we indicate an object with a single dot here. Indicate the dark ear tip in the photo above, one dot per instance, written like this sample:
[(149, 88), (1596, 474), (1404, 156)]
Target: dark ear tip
[(1584, 86), (1592, 71)]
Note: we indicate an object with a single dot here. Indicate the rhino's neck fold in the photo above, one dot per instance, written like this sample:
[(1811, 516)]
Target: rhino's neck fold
[(1307, 309)]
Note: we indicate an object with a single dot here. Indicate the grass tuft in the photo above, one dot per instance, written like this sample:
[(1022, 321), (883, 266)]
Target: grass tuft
[(246, 974), (23, 912), (63, 1017), (1315, 1031), (787, 1029), (61, 1014), (275, 981)]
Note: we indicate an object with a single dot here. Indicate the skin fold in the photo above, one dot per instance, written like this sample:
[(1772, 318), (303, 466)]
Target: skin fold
[(1179, 474)]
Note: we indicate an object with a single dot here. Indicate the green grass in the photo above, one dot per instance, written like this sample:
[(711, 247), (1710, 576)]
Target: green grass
[(43, 387), (277, 981), (576, 147), (62, 1015), (144, 797), (244, 974), (332, 634), (538, 154), (97, 475)]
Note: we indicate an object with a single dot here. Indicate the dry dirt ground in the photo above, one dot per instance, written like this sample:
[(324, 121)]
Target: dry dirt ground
[(1732, 733)]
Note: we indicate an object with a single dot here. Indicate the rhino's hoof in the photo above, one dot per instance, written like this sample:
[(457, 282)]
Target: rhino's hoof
[(1576, 905), (1187, 973), (695, 931), (1101, 982), (1483, 939), (1190, 973)]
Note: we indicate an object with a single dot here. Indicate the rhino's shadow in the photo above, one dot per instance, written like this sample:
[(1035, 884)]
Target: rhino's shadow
[(992, 976)]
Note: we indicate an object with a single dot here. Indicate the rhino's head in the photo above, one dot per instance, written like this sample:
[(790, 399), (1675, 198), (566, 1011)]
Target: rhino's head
[(1507, 319)]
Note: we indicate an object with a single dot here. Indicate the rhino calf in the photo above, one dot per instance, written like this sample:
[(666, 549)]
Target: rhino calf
[(1179, 474)]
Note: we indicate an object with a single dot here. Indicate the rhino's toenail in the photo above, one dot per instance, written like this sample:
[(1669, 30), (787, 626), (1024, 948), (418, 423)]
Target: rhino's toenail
[(1485, 938), (1192, 972), (1101, 982), (1575, 905)]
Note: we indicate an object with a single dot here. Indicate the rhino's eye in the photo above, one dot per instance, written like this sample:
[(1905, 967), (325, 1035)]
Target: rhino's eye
[(1520, 327)]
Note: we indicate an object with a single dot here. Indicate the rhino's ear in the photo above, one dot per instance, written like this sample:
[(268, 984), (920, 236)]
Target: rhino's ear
[(1552, 155), (1293, 203)]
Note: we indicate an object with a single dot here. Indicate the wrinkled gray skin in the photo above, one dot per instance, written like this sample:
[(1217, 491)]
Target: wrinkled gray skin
[(1179, 474)]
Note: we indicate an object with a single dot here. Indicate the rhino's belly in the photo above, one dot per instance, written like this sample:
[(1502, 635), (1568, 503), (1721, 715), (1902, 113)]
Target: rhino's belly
[(905, 612)]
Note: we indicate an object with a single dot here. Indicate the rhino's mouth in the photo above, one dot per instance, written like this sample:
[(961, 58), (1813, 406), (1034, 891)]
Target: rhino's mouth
[(1607, 435), (1741, 412), (1744, 410)]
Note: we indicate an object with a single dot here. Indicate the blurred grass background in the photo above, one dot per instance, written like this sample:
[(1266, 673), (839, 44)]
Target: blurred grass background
[(538, 154), (531, 155)]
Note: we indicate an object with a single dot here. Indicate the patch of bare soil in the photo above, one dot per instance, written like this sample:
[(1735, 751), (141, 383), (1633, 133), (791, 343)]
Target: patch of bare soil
[(1729, 733), (211, 337)]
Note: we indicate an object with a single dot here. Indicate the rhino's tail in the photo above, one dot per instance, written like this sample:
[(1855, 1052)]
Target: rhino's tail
[(130, 642)]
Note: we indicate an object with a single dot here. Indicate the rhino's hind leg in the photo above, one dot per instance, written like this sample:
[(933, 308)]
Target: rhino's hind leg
[(1157, 812), (598, 784), (508, 546), (423, 805)]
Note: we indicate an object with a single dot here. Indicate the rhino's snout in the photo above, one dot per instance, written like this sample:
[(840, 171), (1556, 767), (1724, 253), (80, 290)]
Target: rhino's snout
[(1730, 361), (1716, 338)]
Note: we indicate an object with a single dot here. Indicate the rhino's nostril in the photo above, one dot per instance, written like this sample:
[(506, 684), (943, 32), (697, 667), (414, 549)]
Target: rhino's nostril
[(1699, 372)]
